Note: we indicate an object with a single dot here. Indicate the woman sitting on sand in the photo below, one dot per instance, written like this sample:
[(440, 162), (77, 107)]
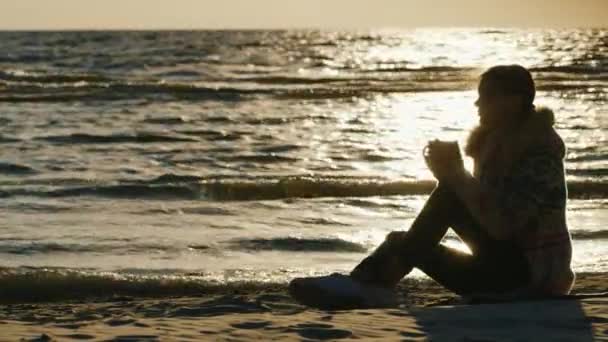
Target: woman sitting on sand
[(511, 212)]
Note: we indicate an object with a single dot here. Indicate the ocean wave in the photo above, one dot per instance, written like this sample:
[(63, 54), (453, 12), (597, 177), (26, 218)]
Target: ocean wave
[(427, 69), (95, 80), (493, 32), (185, 73), (306, 187), (321, 221), (311, 187), (589, 234), (301, 80), (19, 246), (27, 247), (600, 172), (63, 88), (28, 207), (254, 188), (172, 120), (8, 140), (198, 210), (279, 148), (16, 169), (587, 189), (126, 191), (171, 178), (293, 244), (596, 87), (260, 158), (37, 77), (189, 92), (345, 92), (49, 284), (117, 91), (138, 138), (571, 69)]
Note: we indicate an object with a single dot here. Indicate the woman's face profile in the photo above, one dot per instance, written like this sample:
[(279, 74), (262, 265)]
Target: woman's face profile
[(494, 106)]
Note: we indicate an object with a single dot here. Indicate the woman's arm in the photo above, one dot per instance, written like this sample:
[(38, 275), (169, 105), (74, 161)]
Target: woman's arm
[(535, 183)]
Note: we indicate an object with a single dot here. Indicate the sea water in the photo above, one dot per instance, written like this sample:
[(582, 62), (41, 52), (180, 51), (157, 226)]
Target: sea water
[(262, 155)]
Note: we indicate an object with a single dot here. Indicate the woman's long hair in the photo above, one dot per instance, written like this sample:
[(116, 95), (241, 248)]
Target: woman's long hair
[(506, 79)]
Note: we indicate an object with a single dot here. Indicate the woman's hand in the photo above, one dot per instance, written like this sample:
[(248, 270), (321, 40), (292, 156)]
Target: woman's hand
[(444, 160)]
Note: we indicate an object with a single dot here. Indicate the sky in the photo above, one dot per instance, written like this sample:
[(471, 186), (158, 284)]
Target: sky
[(235, 14)]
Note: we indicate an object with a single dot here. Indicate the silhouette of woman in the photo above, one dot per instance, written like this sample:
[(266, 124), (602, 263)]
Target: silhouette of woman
[(511, 211)]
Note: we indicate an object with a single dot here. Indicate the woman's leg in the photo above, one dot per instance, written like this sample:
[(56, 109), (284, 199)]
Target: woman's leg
[(419, 247), (392, 260), (502, 271), (493, 267)]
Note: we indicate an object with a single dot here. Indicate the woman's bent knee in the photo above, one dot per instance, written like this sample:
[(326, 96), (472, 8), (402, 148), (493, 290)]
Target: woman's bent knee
[(396, 236)]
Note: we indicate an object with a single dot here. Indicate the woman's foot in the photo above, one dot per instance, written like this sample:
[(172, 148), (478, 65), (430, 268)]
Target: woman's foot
[(387, 265), (338, 291)]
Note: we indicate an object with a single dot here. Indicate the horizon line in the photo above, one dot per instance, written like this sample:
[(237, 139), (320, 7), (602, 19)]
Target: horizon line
[(294, 28)]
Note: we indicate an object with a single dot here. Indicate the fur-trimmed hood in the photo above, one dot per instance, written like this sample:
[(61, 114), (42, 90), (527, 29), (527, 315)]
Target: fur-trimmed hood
[(505, 147)]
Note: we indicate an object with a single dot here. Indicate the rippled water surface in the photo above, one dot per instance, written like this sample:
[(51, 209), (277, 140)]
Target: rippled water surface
[(259, 155)]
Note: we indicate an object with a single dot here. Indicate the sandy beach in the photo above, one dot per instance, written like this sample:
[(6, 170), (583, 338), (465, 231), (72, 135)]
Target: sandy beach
[(427, 311)]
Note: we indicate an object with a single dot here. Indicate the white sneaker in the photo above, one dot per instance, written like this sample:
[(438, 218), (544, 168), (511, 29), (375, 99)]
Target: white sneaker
[(338, 291)]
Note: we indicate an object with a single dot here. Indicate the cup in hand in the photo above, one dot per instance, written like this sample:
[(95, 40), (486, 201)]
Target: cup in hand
[(442, 157)]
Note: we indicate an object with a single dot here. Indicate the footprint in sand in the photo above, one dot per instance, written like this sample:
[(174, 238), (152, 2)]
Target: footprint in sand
[(133, 338), (79, 336), (117, 321), (251, 325), (70, 325), (320, 331), (41, 338), (314, 326)]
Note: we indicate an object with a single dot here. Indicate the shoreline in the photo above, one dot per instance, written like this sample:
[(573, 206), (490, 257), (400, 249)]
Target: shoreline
[(426, 311)]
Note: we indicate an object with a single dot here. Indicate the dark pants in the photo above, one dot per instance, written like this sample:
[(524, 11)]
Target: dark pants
[(494, 266)]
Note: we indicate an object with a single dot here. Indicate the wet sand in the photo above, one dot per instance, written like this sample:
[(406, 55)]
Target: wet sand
[(427, 311)]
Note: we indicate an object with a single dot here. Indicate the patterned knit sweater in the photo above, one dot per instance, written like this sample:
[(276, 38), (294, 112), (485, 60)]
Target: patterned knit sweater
[(518, 192)]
